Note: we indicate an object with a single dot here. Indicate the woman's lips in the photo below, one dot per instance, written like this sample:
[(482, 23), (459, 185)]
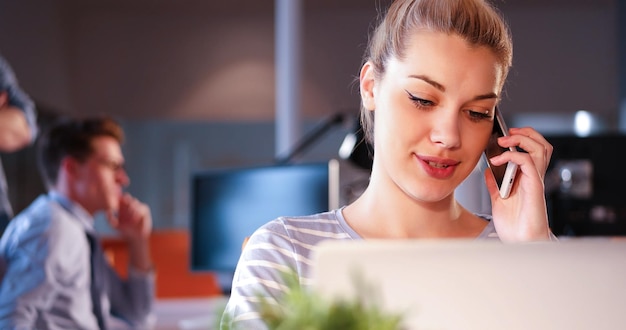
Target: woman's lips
[(438, 168)]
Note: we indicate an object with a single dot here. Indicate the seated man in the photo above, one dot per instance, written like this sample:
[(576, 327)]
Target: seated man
[(56, 274)]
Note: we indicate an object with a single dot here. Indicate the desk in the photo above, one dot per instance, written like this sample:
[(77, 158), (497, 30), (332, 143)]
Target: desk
[(188, 313)]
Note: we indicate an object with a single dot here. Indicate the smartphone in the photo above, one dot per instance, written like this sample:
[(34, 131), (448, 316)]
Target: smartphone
[(504, 174)]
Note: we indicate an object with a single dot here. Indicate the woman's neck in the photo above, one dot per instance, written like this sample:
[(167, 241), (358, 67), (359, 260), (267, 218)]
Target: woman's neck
[(396, 215)]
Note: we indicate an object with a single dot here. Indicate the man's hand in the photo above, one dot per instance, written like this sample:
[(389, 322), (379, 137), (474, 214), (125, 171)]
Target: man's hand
[(14, 131), (133, 220), (134, 223)]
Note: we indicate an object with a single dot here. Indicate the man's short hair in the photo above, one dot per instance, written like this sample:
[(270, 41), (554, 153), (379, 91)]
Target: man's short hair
[(71, 137)]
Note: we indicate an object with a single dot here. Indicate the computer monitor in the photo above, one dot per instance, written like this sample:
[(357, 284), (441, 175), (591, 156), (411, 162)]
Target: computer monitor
[(585, 184), (228, 205)]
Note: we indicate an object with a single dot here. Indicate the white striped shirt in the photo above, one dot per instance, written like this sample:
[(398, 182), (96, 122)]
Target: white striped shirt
[(284, 244)]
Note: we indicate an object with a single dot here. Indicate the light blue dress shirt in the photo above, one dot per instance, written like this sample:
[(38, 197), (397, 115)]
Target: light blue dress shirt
[(46, 284)]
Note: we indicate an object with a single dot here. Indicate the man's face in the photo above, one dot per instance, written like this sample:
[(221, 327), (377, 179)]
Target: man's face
[(100, 179)]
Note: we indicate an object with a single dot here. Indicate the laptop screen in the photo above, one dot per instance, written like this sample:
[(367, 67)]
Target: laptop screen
[(468, 284)]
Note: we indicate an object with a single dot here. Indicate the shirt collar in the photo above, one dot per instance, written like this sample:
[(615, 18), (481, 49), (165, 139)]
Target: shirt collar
[(76, 209)]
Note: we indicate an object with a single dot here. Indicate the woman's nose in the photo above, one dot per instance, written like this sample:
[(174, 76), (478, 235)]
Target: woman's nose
[(446, 130)]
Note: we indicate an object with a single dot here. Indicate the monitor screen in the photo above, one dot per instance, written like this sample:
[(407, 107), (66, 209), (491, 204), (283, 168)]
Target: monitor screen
[(228, 205), (584, 185)]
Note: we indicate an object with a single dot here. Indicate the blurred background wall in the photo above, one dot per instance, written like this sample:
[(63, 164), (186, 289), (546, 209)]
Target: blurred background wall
[(193, 81)]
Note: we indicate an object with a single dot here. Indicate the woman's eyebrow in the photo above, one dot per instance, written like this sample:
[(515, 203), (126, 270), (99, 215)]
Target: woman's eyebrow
[(486, 96), (429, 81), (440, 87)]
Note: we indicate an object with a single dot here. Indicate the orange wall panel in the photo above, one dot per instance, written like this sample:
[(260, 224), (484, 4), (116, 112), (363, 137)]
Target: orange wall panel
[(170, 255)]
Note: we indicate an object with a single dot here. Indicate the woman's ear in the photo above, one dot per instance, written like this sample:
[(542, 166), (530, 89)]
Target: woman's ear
[(367, 83)]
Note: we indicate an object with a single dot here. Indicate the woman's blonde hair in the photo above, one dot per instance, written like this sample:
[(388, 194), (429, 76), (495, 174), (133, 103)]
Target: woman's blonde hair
[(476, 21)]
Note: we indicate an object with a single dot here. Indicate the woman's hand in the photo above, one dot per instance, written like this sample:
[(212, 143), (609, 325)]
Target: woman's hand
[(523, 215)]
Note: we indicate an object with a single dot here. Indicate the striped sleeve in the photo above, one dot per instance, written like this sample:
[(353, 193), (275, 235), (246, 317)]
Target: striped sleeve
[(282, 245)]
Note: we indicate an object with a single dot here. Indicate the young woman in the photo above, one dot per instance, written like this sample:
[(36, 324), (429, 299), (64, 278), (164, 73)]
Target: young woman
[(432, 76)]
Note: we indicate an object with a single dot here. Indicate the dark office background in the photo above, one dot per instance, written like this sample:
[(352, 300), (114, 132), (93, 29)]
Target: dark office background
[(193, 81)]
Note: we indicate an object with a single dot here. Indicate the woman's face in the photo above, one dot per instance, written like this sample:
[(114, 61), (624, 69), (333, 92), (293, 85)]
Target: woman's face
[(433, 114)]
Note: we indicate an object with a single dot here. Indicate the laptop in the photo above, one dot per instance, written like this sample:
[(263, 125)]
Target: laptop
[(467, 284)]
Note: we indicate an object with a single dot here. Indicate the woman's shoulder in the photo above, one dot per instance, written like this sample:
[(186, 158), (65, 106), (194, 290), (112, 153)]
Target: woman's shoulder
[(309, 228), (312, 221)]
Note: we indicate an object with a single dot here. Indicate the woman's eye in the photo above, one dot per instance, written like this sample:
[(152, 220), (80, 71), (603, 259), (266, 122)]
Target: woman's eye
[(419, 101), (478, 115)]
